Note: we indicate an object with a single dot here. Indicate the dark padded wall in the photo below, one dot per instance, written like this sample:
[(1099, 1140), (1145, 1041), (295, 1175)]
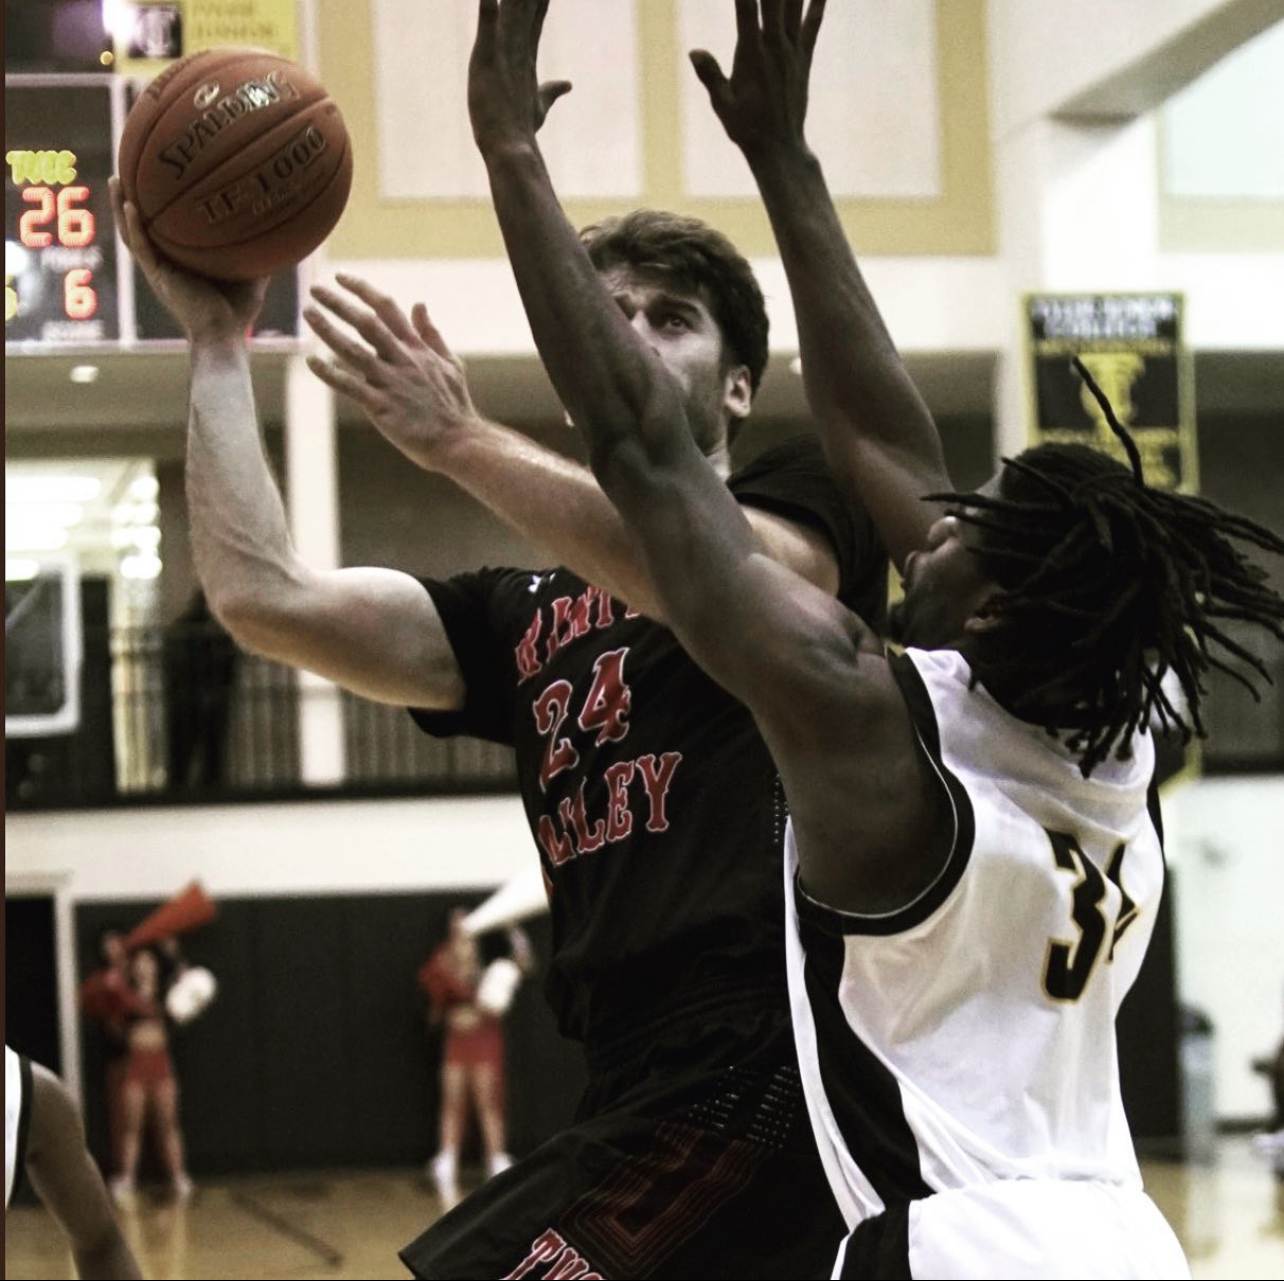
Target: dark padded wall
[(31, 984), (316, 1052)]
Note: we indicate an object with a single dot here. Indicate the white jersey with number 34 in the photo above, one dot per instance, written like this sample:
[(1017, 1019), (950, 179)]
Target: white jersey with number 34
[(969, 1038)]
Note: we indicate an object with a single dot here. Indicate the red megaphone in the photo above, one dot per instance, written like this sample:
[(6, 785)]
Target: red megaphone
[(187, 910)]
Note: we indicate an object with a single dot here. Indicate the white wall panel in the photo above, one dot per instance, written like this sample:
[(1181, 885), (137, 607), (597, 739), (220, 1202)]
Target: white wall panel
[(1104, 57), (875, 64), (325, 847), (420, 76), (1223, 135), (1223, 839)]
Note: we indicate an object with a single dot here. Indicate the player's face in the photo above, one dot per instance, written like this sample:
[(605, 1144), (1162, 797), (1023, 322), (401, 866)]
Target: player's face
[(676, 323), (944, 586)]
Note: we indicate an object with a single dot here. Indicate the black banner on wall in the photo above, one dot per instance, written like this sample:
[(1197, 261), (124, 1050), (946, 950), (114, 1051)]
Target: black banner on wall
[(1132, 346)]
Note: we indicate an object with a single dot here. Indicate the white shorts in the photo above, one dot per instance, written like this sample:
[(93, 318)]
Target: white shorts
[(1015, 1229)]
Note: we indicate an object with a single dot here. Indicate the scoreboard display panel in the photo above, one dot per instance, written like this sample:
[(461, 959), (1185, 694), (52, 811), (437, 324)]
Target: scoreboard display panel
[(68, 281), (60, 244), (278, 317)]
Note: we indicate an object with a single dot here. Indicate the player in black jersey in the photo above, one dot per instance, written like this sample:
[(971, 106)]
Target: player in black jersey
[(649, 792)]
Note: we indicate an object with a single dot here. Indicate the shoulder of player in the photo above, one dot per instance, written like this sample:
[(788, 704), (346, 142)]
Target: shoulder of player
[(874, 824), (800, 453), (805, 521), (797, 545), (833, 693)]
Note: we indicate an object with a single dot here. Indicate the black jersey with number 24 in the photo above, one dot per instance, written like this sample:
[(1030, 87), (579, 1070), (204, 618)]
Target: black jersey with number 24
[(650, 793)]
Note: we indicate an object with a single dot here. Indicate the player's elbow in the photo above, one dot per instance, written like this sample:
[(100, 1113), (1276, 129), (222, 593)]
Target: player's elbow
[(261, 621), (247, 617)]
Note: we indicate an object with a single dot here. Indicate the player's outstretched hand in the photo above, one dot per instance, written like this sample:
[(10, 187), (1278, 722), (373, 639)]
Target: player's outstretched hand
[(763, 103), (506, 103), (207, 310), (410, 384)]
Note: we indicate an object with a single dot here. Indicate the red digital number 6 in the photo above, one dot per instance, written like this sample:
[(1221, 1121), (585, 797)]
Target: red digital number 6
[(79, 299)]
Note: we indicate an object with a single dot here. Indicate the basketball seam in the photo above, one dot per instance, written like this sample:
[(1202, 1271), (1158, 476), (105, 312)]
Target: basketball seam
[(232, 245), (284, 120), (204, 61)]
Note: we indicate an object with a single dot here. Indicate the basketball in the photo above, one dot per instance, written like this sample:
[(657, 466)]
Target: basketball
[(238, 162)]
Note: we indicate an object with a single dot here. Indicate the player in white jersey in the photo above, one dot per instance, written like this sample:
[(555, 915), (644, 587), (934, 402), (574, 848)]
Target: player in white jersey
[(978, 864), (978, 1095), (44, 1138), (17, 1117)]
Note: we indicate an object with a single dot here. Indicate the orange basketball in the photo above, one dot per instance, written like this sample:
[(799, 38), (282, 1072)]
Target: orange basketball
[(238, 161)]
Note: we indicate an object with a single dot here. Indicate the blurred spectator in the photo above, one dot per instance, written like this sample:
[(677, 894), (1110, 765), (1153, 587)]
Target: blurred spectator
[(105, 997), (1271, 1143), (200, 661), (468, 1001)]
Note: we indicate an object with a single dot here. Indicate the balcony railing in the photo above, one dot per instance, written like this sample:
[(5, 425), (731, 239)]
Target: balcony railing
[(181, 714)]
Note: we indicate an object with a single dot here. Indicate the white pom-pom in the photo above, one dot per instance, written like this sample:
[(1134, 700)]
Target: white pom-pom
[(190, 993), (498, 985)]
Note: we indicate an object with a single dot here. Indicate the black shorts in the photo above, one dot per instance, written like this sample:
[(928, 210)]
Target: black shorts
[(695, 1159)]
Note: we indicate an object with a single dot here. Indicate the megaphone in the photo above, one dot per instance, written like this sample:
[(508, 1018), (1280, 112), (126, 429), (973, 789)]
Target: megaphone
[(187, 910), (524, 895)]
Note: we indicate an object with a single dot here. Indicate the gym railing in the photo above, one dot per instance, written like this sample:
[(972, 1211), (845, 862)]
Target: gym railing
[(181, 715)]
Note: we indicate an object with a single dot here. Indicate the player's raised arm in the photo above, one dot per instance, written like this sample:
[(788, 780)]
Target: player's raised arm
[(600, 370), (806, 667), (374, 631), (400, 371), (605, 334), (878, 432), (617, 390)]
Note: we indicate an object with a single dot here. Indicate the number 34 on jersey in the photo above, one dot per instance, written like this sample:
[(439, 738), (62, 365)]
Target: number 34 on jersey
[(1070, 963)]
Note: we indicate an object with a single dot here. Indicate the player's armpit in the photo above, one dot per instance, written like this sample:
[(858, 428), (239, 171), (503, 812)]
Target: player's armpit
[(800, 548), (872, 821)]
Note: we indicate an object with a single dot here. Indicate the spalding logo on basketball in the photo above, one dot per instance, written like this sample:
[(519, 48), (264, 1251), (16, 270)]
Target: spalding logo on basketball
[(238, 161)]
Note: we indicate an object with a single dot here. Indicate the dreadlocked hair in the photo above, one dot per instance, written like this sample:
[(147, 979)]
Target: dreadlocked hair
[(1106, 585)]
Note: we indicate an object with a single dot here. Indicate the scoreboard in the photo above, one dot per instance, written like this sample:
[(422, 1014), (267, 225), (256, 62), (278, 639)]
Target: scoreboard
[(60, 246), (68, 282)]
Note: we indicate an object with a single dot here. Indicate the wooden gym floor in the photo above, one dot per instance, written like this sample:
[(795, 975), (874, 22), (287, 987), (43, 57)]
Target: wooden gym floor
[(1229, 1215)]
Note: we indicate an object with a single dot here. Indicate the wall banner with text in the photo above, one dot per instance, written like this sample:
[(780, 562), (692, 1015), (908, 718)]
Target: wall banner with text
[(1132, 346), (147, 35)]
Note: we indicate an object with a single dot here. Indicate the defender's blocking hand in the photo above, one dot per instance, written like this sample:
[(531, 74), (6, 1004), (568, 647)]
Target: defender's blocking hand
[(506, 103), (764, 101)]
